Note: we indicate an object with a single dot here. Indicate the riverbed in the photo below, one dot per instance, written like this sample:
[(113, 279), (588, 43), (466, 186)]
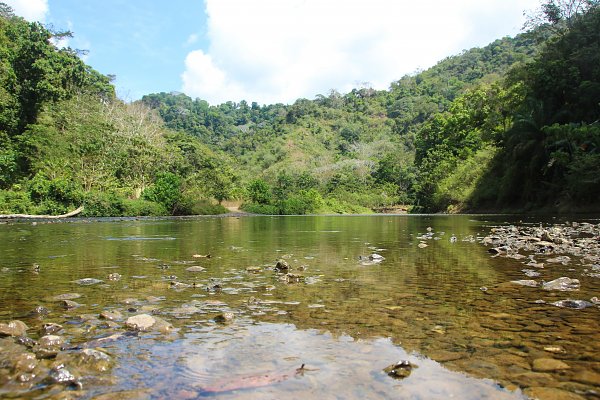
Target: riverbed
[(289, 307)]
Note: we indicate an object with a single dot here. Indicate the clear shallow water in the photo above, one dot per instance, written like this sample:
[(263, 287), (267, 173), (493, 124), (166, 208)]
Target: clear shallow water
[(345, 321)]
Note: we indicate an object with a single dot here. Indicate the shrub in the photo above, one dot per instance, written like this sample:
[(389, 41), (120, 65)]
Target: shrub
[(15, 201), (103, 204), (141, 207), (254, 208), (166, 191)]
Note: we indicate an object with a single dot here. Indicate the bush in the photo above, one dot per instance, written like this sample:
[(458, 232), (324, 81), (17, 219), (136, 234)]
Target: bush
[(142, 207), (259, 192), (205, 207), (59, 190), (15, 201), (102, 204), (303, 202), (254, 208), (166, 191)]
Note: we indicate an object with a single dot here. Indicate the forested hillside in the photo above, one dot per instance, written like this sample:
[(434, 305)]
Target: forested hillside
[(66, 140), (512, 126), (351, 152)]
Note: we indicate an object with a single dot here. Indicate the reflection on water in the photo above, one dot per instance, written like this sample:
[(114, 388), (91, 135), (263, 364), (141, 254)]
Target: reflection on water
[(346, 321)]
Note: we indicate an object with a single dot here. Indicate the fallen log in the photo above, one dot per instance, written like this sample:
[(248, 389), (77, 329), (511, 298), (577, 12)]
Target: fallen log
[(29, 216)]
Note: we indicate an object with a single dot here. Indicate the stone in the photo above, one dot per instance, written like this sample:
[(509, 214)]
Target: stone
[(545, 393), (225, 318), (527, 379), (60, 374), (555, 349), (115, 276), (195, 268), (575, 304), (445, 356), (70, 304), (51, 341), (51, 328), (95, 360), (560, 259), (48, 346), (13, 328), (111, 315), (587, 377), (548, 365), (24, 362), (88, 281), (65, 296), (563, 284), (282, 265), (526, 282), (140, 322)]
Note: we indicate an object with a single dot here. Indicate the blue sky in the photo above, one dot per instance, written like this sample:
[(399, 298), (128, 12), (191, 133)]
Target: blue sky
[(270, 50)]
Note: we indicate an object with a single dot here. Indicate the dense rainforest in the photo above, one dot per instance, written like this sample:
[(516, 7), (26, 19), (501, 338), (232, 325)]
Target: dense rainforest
[(513, 126)]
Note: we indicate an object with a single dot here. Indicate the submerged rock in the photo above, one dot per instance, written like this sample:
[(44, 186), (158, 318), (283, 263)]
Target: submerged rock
[(575, 304), (549, 364), (69, 304), (64, 296), (60, 374), (111, 315), (371, 259), (195, 268), (563, 284), (88, 281), (526, 282), (548, 393), (13, 328), (94, 360), (115, 276), (51, 328), (48, 346), (224, 318)]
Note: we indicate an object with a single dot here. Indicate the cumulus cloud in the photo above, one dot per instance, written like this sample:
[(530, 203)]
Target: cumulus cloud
[(277, 51), (31, 10)]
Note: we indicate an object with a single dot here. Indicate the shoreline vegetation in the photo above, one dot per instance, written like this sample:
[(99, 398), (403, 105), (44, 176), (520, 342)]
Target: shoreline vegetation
[(513, 126)]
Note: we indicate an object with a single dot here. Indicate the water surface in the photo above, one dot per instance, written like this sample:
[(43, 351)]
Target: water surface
[(346, 320)]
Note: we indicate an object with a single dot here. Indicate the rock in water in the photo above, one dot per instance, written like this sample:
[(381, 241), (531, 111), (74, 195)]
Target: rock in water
[(549, 364), (88, 281), (140, 322), (576, 304), (282, 265), (526, 282), (563, 284), (400, 370), (13, 328)]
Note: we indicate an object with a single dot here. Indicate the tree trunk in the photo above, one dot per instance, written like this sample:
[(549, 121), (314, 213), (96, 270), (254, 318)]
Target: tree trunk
[(28, 216)]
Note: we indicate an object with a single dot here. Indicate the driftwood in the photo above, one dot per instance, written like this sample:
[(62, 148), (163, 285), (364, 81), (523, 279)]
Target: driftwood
[(28, 216)]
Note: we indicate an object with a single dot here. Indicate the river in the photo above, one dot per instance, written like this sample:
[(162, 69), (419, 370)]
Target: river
[(362, 293)]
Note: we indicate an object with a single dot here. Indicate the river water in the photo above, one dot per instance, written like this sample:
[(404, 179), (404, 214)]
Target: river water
[(241, 330)]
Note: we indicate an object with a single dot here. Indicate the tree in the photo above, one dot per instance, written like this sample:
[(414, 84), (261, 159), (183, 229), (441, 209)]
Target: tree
[(259, 191)]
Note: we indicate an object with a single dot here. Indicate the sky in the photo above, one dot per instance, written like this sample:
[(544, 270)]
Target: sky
[(270, 51)]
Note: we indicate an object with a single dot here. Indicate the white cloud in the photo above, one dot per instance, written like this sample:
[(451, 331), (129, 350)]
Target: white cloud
[(277, 51), (31, 10)]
